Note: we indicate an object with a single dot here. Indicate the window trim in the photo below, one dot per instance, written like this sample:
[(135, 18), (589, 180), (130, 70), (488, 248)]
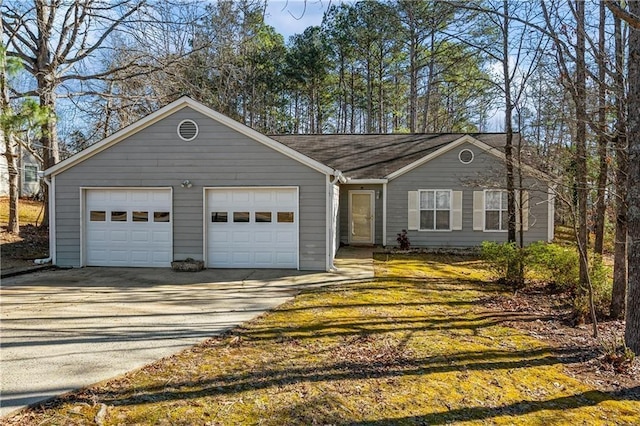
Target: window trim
[(30, 170), (484, 211), (420, 210)]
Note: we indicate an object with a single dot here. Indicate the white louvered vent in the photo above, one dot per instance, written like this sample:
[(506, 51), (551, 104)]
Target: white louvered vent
[(465, 156), (187, 130)]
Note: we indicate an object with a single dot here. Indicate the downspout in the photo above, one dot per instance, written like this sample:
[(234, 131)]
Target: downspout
[(51, 221)]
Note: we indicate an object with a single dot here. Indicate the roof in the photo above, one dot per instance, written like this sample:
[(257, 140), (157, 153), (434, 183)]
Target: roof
[(177, 105), (377, 156)]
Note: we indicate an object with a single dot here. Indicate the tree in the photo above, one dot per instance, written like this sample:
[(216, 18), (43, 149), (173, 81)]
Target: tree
[(632, 326), (58, 44), (18, 121)]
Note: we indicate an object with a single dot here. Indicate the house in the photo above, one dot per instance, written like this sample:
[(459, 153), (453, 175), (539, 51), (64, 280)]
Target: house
[(28, 182), (188, 182)]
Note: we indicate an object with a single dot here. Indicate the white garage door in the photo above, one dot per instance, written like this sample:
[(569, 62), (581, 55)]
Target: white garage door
[(252, 228), (128, 227)]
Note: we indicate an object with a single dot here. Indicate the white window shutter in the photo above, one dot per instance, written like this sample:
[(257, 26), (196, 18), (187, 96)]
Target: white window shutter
[(478, 210), (413, 222), (456, 210)]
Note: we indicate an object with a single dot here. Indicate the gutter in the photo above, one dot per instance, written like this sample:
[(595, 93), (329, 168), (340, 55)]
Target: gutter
[(51, 193)]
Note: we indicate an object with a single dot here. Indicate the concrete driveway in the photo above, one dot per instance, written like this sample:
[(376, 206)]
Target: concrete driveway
[(66, 329)]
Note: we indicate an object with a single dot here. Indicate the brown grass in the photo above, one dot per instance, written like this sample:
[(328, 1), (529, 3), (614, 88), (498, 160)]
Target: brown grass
[(29, 212), (414, 346)]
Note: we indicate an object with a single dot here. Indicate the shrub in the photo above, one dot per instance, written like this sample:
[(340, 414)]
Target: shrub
[(403, 240), (499, 256), (554, 263)]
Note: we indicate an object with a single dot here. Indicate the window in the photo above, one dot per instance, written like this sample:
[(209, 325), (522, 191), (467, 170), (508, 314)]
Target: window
[(98, 216), (435, 210), (241, 217), (30, 174), (495, 210), (219, 217), (140, 216), (118, 216), (285, 217), (263, 217), (161, 216)]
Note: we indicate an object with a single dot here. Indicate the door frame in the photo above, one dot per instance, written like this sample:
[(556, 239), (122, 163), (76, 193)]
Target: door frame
[(372, 194)]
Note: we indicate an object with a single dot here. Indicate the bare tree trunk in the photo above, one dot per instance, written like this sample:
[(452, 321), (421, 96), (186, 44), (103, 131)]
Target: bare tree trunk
[(603, 140), (10, 147), (581, 140), (619, 291), (632, 327)]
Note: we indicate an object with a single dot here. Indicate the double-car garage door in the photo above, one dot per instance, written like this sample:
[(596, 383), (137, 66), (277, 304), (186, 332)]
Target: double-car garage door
[(245, 227)]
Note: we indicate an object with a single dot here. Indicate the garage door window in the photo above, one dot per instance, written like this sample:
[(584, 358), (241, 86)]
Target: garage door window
[(263, 217), (118, 216), (141, 216), (219, 217), (285, 217), (98, 216), (242, 217), (161, 216)]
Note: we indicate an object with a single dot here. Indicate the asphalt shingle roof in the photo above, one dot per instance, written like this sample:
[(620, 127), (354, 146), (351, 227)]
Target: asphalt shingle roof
[(374, 156)]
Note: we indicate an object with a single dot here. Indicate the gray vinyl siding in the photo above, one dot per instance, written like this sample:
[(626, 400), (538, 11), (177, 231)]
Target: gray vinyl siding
[(447, 172), (344, 211), (218, 157)]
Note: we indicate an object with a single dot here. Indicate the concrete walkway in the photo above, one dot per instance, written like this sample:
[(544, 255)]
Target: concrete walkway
[(66, 329)]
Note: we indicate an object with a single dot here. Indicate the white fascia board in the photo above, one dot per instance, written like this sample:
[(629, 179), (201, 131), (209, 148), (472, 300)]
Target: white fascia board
[(259, 137), (350, 181), (172, 108), (431, 156), (117, 136), (464, 139)]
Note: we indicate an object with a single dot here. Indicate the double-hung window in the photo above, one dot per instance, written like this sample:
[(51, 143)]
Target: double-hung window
[(495, 210), (435, 210)]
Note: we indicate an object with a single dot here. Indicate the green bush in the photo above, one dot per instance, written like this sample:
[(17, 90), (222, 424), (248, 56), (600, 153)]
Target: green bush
[(554, 263), (499, 256)]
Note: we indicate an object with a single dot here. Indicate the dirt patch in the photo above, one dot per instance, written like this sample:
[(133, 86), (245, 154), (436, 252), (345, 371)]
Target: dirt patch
[(600, 362), (19, 251)]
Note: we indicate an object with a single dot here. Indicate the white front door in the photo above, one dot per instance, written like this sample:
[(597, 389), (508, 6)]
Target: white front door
[(128, 227), (252, 227), (361, 217)]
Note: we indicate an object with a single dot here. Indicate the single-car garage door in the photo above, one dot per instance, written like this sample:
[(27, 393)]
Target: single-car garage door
[(128, 227), (252, 227)]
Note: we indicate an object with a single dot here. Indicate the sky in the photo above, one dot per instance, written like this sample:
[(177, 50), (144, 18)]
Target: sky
[(291, 17)]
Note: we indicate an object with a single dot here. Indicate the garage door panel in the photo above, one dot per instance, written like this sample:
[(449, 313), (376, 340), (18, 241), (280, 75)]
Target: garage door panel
[(140, 237), (161, 236), (263, 237), (254, 243), (143, 242)]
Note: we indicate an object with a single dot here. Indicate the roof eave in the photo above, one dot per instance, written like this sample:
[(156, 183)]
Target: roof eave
[(171, 108)]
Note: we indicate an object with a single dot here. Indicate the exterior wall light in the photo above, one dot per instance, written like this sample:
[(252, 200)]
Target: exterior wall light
[(186, 183)]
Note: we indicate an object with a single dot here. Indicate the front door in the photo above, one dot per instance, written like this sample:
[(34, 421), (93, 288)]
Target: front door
[(361, 217)]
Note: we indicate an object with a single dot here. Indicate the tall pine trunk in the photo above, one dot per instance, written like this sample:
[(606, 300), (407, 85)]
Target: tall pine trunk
[(619, 291), (632, 327), (603, 140)]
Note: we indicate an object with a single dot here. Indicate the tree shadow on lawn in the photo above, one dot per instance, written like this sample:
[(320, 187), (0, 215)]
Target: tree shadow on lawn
[(583, 399), (346, 331)]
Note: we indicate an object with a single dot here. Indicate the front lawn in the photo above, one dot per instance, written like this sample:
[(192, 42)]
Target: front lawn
[(418, 345)]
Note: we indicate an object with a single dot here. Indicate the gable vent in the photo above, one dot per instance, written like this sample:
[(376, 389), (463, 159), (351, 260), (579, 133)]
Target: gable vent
[(187, 130), (465, 156)]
